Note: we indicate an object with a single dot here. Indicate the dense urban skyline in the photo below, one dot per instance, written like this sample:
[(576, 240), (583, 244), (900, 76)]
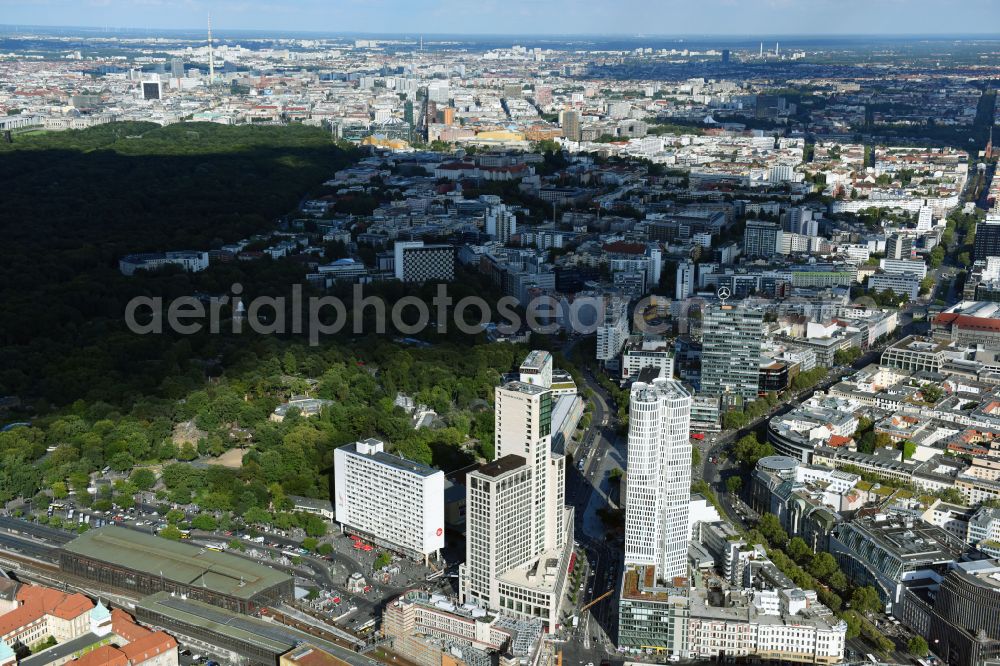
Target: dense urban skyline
[(380, 333), (526, 17)]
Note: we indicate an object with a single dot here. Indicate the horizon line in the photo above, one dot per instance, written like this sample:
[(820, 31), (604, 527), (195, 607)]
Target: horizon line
[(6, 27)]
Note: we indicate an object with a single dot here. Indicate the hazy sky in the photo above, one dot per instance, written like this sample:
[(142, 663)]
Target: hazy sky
[(625, 17)]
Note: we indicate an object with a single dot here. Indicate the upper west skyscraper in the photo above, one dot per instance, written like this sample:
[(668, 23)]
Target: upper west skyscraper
[(731, 339), (659, 478)]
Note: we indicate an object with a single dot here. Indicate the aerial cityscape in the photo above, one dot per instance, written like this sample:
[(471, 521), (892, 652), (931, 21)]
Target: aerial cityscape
[(499, 334)]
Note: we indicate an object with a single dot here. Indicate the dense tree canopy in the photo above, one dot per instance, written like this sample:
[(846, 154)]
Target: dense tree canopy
[(86, 198), (99, 396)]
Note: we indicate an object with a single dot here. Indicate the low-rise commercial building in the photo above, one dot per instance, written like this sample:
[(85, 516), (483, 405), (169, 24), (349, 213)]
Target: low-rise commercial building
[(810, 425), (192, 262), (652, 617), (884, 466), (239, 638), (806, 499), (914, 354), (566, 415), (969, 323), (424, 627), (887, 552), (795, 628)]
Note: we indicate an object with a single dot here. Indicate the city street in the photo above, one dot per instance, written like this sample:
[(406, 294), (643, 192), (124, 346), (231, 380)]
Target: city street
[(589, 491)]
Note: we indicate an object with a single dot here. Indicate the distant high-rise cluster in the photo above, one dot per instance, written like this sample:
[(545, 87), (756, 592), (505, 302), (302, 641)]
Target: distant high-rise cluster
[(211, 53)]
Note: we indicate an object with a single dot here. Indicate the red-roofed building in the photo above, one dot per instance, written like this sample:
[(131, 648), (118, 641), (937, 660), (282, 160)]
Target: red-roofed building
[(455, 170), (125, 627), (836, 441), (967, 329), (623, 247), (156, 649), (130, 645), (44, 611), (102, 656)]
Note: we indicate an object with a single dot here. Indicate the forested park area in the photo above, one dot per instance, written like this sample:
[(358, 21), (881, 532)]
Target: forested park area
[(98, 396), (75, 202)]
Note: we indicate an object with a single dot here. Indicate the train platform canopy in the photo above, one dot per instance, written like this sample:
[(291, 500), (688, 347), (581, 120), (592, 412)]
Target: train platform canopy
[(177, 562)]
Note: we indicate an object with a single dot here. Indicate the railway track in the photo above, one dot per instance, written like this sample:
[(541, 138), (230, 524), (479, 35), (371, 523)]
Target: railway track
[(30, 570), (311, 629)]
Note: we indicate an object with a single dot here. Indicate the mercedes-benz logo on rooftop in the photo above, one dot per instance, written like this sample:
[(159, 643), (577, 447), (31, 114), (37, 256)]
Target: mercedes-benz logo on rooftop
[(724, 294)]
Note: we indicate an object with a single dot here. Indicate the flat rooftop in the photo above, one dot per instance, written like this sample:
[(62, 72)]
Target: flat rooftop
[(639, 583), (271, 636), (982, 309), (307, 655), (916, 343), (742, 610), (909, 540), (643, 392), (444, 604), (523, 387), (648, 345), (985, 573), (535, 574), (778, 463), (62, 651), (648, 375), (536, 359), (390, 460), (177, 562), (501, 466)]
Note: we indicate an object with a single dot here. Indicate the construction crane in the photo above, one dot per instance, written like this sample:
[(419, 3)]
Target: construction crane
[(597, 600)]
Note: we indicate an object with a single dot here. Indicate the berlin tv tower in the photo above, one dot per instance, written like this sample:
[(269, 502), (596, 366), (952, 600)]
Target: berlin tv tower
[(211, 52)]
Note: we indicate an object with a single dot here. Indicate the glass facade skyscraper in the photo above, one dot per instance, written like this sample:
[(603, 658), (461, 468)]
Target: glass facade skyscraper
[(730, 353)]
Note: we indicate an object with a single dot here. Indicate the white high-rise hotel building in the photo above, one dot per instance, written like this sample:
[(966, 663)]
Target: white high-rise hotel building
[(659, 478), (518, 529), (389, 500)]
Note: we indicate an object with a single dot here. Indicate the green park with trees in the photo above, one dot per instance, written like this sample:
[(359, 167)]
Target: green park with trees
[(86, 198), (96, 395), (59, 452)]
